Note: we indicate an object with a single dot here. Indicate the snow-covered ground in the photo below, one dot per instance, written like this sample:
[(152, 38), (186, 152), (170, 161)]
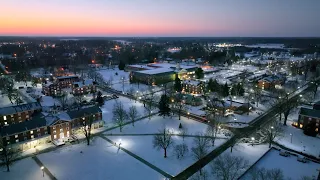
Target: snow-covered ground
[(126, 102), (157, 123), (110, 74), (290, 167), (300, 142), (26, 169), (196, 110), (247, 151), (100, 160), (143, 147), (5, 102)]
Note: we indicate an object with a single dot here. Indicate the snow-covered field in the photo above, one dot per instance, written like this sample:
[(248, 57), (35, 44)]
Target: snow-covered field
[(143, 147), (110, 74), (300, 142), (157, 123), (126, 102), (290, 167), (101, 160), (5, 102), (247, 151), (26, 169)]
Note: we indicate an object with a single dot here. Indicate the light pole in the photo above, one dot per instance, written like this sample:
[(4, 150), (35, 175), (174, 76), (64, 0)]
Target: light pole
[(42, 169), (252, 140), (291, 137)]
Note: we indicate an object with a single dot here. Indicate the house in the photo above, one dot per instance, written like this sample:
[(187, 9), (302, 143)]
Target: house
[(17, 114), (51, 89), (309, 120), (194, 87), (66, 81), (271, 81), (84, 87), (65, 124), (26, 134)]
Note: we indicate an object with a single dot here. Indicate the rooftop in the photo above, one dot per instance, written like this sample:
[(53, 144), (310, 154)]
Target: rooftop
[(156, 71), (310, 112), (36, 122), (20, 108)]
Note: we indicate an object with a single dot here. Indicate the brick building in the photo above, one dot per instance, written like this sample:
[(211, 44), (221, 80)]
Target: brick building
[(193, 87), (66, 81), (51, 89), (271, 81), (27, 134), (309, 120), (17, 114), (84, 87)]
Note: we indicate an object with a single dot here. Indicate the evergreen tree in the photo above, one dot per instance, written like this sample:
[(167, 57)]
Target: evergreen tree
[(122, 65), (100, 99), (199, 73), (241, 89), (225, 90), (164, 108), (177, 84)]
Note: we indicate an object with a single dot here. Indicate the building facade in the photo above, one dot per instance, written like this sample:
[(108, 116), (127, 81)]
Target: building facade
[(66, 81), (309, 120), (17, 114), (84, 87), (193, 87), (51, 89)]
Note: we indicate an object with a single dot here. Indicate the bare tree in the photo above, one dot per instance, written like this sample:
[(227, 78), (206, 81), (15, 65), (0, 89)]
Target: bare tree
[(200, 148), (63, 99), (287, 106), (204, 175), (266, 174), (149, 101), (163, 140), (179, 104), (181, 150), (119, 114), (133, 114), (257, 93), (79, 99), (131, 91), (183, 132), (7, 154), (272, 131), (16, 98), (214, 122), (86, 127), (227, 167)]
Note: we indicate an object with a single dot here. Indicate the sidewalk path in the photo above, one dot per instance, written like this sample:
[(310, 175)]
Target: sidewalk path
[(46, 170), (139, 158)]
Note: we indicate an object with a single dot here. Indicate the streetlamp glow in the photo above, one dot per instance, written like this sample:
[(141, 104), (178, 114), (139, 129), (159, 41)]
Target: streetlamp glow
[(42, 169), (271, 127)]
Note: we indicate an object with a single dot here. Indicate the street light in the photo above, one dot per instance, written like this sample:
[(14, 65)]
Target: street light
[(252, 140), (291, 137), (42, 169)]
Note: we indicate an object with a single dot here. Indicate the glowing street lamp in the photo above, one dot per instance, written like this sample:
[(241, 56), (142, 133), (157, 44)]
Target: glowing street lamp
[(42, 169)]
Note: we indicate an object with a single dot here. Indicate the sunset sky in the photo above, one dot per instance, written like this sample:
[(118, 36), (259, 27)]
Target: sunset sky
[(246, 18)]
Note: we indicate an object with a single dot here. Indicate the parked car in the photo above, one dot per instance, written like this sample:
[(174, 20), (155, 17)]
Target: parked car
[(284, 153), (302, 159), (114, 96)]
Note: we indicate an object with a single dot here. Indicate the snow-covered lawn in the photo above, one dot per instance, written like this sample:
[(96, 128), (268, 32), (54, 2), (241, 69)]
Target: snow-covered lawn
[(26, 169), (196, 110), (300, 142), (143, 147), (244, 118), (245, 150), (290, 167), (98, 161), (126, 102), (5, 102), (157, 123), (110, 74)]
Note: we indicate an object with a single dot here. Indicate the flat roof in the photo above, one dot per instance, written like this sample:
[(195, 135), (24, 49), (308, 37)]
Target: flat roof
[(155, 71)]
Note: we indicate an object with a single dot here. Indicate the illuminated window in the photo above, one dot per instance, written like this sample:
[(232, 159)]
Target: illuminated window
[(4, 118), (16, 136), (31, 132)]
